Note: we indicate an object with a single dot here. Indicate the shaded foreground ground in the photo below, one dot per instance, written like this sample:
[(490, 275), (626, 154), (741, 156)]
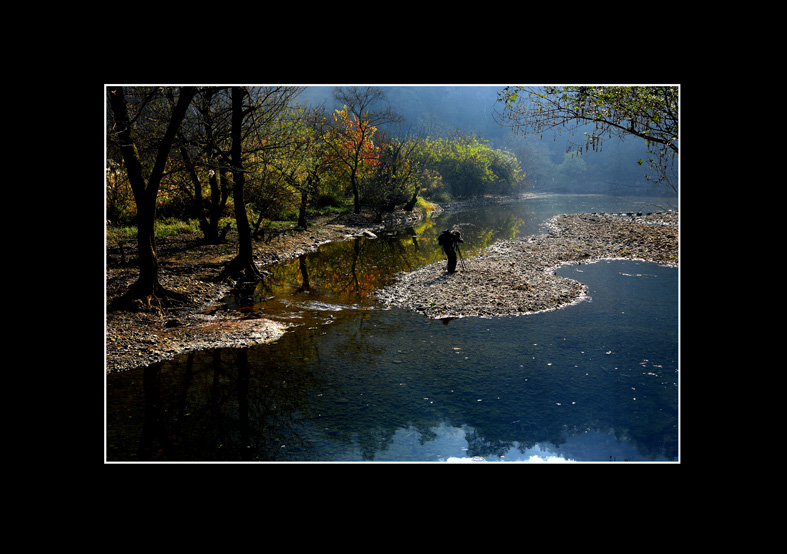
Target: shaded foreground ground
[(510, 278), (517, 277)]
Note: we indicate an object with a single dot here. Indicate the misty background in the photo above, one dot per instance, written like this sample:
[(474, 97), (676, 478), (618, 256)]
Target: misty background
[(441, 111)]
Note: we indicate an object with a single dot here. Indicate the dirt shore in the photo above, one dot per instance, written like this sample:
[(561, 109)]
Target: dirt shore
[(148, 334), (518, 277)]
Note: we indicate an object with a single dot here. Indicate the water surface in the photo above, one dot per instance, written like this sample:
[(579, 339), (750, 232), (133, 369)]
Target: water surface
[(597, 381)]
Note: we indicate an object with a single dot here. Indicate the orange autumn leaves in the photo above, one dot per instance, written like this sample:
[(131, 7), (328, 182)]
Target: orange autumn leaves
[(353, 139)]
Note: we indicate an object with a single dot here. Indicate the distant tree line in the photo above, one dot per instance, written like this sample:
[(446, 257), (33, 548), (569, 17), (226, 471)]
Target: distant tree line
[(256, 154)]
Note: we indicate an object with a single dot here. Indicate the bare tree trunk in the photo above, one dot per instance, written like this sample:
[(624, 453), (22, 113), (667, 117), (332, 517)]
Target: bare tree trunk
[(243, 263), (146, 191), (356, 194), (302, 209), (219, 192)]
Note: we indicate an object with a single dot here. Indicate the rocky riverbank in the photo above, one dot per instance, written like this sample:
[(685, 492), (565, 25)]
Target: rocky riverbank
[(518, 277)]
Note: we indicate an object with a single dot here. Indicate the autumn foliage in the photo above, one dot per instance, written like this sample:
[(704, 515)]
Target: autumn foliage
[(297, 158), (354, 140)]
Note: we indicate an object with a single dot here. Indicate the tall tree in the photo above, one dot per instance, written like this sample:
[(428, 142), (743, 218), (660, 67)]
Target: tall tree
[(255, 114), (243, 263), (354, 130), (600, 112), (303, 162), (145, 188)]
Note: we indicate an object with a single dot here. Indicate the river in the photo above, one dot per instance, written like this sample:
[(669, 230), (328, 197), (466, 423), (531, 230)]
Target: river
[(594, 382)]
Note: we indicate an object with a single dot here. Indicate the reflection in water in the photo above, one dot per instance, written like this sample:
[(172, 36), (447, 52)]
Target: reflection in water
[(351, 382), (349, 272), (450, 444)]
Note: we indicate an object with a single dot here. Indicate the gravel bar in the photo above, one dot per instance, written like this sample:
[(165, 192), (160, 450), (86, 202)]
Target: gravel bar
[(517, 277)]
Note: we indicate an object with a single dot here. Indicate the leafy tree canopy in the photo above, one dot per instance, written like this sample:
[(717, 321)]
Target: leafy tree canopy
[(600, 113)]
